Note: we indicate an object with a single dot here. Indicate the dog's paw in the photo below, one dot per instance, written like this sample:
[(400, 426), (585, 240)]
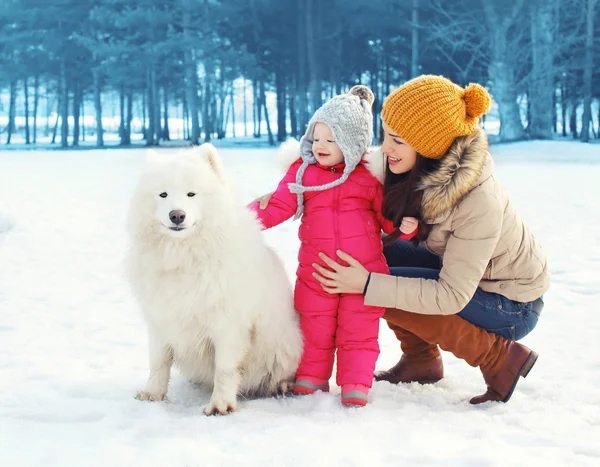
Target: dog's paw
[(220, 407), (148, 396), (283, 389)]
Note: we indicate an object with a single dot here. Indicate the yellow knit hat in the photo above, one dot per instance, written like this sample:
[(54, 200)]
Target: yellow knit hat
[(430, 112)]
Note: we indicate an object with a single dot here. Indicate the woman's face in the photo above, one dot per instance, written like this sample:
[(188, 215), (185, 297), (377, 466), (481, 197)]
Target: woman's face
[(400, 156)]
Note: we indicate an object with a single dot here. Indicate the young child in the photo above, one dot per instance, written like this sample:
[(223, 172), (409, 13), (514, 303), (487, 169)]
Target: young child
[(339, 202)]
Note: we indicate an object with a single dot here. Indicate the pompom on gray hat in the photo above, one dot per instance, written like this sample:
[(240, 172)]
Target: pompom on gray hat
[(350, 119)]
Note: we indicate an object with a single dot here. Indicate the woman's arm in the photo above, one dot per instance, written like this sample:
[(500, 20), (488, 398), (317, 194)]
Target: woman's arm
[(476, 230)]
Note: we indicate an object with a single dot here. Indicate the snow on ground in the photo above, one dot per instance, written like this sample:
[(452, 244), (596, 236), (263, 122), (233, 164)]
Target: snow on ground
[(73, 345)]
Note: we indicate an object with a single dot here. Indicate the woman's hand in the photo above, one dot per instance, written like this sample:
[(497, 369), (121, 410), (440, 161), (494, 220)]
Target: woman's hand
[(409, 225), (341, 279), (263, 200)]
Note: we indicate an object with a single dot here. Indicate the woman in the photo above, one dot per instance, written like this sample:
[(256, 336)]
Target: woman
[(475, 285)]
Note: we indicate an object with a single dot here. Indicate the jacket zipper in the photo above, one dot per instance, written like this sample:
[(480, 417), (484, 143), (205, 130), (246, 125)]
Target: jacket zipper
[(335, 220)]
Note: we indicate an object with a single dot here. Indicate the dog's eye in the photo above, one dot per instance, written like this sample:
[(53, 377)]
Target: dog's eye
[(163, 194), (191, 194)]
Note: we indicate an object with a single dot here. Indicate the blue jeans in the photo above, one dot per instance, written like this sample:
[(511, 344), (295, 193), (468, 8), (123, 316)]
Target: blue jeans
[(490, 311)]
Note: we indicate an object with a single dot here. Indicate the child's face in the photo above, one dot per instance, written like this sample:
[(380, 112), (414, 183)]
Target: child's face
[(324, 147)]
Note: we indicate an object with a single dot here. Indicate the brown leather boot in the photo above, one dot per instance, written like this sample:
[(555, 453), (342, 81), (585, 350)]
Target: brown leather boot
[(501, 361), (501, 385), (421, 361)]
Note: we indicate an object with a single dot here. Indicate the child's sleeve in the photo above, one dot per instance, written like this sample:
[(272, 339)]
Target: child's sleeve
[(386, 225), (283, 203)]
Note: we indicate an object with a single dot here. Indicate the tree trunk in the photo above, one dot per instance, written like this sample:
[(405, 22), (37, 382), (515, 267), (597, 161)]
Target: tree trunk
[(166, 133), (82, 120), (128, 119), (573, 119), (11, 111), (254, 107), (554, 113), (225, 109), (311, 15), (206, 111), (258, 102), (26, 104), (48, 112), (151, 133), (281, 117), (55, 130), (301, 75), (292, 107), (64, 112), (232, 100), (502, 70), (76, 112), (587, 73), (245, 105), (387, 73), (144, 106), (598, 133), (563, 107), (157, 113), (374, 80), (36, 100), (121, 114), (414, 70), (263, 99), (191, 77), (98, 107), (186, 118), (541, 87)]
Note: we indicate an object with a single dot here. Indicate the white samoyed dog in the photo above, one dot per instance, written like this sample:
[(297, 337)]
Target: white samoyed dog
[(216, 299)]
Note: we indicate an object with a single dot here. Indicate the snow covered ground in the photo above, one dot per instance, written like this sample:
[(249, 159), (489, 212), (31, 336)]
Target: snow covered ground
[(73, 345)]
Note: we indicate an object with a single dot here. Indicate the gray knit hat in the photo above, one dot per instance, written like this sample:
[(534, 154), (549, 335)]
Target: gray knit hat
[(350, 119)]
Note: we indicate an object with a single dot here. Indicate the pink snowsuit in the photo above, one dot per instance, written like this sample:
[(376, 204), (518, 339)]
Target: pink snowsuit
[(348, 218)]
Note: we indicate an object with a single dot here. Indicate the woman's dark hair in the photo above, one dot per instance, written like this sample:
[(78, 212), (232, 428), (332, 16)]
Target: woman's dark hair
[(402, 197)]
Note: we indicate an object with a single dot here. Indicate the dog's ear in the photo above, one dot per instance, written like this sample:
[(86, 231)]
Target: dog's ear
[(210, 154)]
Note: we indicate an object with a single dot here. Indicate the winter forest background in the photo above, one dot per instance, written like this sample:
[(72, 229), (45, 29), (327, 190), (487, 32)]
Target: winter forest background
[(116, 72)]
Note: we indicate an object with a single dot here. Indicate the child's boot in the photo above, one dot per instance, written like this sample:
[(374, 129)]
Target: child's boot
[(355, 394), (309, 385)]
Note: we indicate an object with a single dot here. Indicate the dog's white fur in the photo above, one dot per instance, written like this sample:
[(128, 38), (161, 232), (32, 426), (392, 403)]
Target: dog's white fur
[(217, 301)]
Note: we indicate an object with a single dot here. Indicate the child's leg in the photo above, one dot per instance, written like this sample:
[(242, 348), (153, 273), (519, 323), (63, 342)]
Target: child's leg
[(318, 316), (357, 346)]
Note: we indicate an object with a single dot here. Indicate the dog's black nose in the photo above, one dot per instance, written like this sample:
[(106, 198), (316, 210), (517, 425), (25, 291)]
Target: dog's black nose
[(177, 216)]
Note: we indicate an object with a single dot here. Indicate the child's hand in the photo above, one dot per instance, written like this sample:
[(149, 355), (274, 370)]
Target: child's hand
[(263, 200), (409, 225)]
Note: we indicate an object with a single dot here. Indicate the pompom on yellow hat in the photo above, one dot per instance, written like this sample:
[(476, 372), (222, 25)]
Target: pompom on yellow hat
[(429, 112)]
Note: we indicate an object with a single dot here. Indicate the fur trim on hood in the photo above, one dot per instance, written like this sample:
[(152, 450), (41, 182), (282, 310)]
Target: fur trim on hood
[(466, 165)]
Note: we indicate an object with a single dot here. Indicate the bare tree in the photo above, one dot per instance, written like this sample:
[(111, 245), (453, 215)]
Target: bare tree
[(544, 23), (414, 69), (457, 33), (191, 76), (311, 41), (587, 72), (502, 67)]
